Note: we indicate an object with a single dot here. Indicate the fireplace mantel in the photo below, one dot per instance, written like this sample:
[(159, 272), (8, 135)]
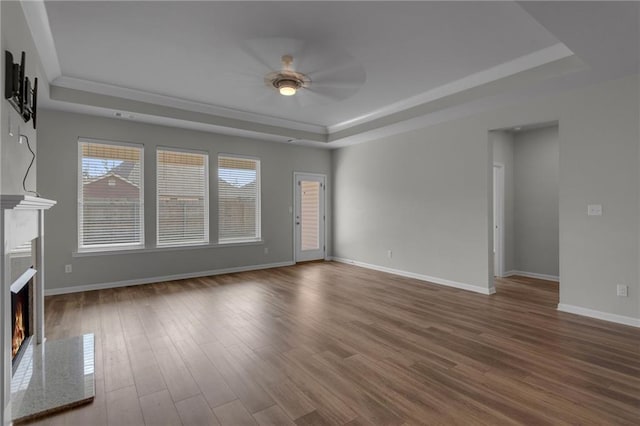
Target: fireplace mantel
[(21, 221), (25, 202)]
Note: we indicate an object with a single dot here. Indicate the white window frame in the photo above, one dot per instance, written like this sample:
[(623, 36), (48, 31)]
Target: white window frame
[(108, 247), (258, 237), (206, 199)]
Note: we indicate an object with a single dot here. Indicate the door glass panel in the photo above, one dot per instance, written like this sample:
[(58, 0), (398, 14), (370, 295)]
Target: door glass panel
[(310, 215)]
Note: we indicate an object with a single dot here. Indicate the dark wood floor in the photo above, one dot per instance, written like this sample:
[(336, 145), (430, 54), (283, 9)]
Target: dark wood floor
[(328, 343)]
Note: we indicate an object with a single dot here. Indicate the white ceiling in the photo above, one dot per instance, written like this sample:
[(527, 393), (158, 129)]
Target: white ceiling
[(369, 61)]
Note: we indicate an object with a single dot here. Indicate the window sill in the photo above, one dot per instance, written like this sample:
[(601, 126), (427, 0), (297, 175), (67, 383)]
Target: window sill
[(164, 249), (239, 241)]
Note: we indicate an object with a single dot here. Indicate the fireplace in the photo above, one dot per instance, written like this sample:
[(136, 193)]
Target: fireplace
[(37, 377), (21, 319), (21, 298)]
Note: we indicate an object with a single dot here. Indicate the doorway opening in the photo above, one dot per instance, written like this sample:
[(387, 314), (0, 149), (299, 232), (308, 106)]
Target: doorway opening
[(525, 207)]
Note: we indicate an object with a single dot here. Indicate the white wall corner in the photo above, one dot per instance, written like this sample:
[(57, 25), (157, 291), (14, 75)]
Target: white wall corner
[(606, 316)]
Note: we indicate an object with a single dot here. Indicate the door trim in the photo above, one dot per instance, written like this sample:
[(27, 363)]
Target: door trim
[(294, 209), (498, 195)]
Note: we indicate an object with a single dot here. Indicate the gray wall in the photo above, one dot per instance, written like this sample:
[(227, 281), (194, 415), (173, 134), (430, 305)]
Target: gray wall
[(423, 195), (57, 179), (15, 157), (599, 143), (536, 219), (426, 194), (503, 154)]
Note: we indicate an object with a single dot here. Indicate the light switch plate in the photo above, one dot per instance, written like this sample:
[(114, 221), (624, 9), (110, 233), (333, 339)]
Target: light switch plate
[(622, 290), (594, 210)]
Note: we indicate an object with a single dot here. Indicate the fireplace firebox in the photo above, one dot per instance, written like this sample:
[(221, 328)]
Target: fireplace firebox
[(21, 321)]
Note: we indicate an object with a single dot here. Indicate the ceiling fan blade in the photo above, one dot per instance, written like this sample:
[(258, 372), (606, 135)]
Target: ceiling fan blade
[(327, 94), (300, 101), (344, 73), (344, 85), (336, 89), (256, 60), (266, 53), (306, 98), (335, 75)]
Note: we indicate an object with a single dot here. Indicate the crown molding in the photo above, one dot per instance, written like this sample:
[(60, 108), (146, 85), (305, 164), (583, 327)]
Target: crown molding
[(35, 13), (183, 104), (489, 95), (444, 108), (284, 137), (541, 57), (507, 69), (62, 98)]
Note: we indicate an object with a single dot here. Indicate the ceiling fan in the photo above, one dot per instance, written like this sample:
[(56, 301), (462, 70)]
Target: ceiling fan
[(313, 72), (287, 81)]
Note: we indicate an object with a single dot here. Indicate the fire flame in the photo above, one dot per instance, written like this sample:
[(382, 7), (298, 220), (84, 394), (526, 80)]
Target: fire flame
[(18, 331)]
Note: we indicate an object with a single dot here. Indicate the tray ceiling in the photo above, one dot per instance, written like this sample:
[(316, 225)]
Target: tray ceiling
[(369, 60)]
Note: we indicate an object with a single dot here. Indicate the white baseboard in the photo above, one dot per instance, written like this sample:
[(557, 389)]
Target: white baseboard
[(434, 280), (532, 275), (150, 280), (620, 319)]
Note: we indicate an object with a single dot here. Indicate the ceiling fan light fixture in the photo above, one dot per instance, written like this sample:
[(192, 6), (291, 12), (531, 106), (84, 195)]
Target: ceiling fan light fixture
[(287, 87), (287, 81)]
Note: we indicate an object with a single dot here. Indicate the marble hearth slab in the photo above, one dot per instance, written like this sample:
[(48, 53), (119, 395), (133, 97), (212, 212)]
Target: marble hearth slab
[(53, 376)]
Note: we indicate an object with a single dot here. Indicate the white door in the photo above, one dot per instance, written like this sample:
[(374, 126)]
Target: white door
[(309, 217)]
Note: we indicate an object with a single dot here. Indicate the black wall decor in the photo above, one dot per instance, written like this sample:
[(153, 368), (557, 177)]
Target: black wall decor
[(18, 90)]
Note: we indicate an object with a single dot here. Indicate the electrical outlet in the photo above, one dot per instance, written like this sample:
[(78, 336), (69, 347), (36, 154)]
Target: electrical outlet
[(389, 254), (68, 269), (623, 290), (266, 250)]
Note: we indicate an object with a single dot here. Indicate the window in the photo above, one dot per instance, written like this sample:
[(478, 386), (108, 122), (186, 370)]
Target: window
[(183, 202), (110, 196), (238, 199)]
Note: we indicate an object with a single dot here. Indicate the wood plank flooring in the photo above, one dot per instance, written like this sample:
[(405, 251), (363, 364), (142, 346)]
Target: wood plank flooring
[(334, 344)]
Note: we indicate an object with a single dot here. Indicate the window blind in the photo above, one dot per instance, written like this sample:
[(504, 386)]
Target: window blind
[(110, 194), (238, 199), (183, 205)]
